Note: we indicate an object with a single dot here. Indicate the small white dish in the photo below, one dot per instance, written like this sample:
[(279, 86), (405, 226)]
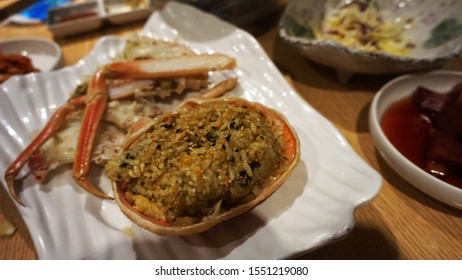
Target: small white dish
[(397, 89), (76, 26), (75, 18), (78, 18), (46, 55)]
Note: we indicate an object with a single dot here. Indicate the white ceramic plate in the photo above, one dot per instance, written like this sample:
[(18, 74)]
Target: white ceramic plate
[(45, 54), (314, 207), (397, 89)]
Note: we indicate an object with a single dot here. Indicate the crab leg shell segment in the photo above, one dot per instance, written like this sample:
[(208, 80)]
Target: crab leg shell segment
[(96, 102), (57, 120), (169, 67), (219, 89), (128, 88)]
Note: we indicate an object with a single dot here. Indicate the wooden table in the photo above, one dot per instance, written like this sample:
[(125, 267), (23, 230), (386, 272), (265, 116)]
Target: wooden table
[(401, 223)]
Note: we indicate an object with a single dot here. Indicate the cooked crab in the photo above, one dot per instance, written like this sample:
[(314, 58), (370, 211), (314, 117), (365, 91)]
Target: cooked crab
[(117, 95), (205, 162)]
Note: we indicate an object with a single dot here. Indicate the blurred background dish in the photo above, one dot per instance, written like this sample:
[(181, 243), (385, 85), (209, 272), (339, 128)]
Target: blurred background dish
[(397, 90), (85, 16), (45, 54), (125, 11), (75, 18), (374, 37)]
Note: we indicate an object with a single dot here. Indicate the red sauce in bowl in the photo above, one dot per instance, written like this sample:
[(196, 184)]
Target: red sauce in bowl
[(410, 132)]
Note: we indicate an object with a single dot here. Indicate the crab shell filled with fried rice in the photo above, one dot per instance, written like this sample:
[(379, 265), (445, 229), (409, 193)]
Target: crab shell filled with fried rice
[(205, 162)]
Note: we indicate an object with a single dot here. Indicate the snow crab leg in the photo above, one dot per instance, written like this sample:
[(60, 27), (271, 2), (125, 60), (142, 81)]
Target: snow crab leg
[(96, 100), (169, 67)]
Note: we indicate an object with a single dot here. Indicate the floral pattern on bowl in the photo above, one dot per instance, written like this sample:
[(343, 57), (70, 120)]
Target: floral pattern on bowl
[(433, 28)]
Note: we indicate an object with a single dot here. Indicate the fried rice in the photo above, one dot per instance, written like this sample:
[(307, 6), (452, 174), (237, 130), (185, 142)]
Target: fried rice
[(194, 163)]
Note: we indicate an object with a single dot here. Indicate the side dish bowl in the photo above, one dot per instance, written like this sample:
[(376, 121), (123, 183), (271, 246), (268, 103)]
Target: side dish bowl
[(399, 88), (45, 54), (81, 17), (432, 30)]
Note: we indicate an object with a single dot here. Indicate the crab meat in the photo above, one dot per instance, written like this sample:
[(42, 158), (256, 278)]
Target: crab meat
[(60, 149)]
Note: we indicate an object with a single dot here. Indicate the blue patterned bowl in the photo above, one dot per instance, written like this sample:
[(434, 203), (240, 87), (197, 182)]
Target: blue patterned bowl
[(432, 29)]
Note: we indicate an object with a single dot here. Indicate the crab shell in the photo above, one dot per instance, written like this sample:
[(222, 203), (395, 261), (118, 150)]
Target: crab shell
[(271, 184)]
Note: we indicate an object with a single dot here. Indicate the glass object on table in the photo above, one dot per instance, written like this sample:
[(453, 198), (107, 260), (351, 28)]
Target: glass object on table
[(39, 10)]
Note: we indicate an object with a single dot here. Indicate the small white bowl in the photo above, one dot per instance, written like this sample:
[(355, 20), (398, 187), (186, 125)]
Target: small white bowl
[(397, 89), (46, 55)]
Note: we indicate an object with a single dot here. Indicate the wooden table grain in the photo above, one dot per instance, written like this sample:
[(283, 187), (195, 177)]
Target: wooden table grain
[(400, 223)]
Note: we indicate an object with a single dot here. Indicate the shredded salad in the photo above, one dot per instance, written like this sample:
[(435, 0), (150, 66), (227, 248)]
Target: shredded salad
[(360, 26)]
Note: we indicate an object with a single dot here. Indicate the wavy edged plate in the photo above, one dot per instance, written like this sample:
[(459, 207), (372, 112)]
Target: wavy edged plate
[(314, 207)]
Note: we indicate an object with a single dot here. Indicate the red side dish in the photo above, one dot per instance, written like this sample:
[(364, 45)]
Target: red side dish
[(15, 64), (427, 129)]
